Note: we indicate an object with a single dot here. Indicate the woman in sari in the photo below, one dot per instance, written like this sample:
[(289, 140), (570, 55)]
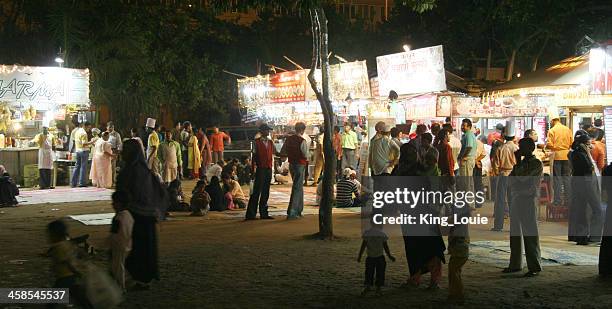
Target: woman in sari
[(217, 198), (193, 157), (205, 151), (423, 243), (101, 173), (148, 202)]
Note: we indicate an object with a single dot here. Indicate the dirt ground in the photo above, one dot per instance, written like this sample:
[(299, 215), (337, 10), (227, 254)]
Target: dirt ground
[(220, 262)]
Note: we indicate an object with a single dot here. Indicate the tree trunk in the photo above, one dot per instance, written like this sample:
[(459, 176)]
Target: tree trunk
[(510, 68), (320, 56), (488, 72), (534, 66)]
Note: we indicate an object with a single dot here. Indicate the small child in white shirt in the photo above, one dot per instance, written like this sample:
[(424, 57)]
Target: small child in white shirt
[(375, 241), (121, 236)]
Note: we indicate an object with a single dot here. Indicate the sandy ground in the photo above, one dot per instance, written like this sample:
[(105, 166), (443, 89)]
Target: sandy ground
[(220, 262)]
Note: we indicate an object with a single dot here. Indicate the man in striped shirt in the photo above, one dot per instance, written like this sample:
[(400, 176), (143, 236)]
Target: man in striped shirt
[(345, 188)]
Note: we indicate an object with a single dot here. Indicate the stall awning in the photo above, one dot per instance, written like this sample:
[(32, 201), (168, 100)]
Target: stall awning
[(569, 72)]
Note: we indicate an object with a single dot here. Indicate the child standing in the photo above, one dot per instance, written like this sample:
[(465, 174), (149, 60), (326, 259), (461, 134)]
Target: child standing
[(63, 266), (121, 236), (375, 240)]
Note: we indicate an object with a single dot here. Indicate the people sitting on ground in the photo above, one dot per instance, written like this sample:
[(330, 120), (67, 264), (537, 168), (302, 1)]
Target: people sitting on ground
[(200, 200), (215, 170), (175, 195), (353, 178), (217, 200), (244, 171), (8, 189), (282, 173), (234, 192), (347, 194), (231, 168)]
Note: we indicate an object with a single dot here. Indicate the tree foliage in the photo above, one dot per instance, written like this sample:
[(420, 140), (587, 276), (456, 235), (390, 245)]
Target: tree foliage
[(144, 56)]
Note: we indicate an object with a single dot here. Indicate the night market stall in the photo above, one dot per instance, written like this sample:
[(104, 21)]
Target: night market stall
[(32, 98), (284, 98)]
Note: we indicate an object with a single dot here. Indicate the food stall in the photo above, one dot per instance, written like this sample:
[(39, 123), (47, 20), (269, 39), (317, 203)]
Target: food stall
[(285, 98), (579, 88), (32, 98), (419, 79)]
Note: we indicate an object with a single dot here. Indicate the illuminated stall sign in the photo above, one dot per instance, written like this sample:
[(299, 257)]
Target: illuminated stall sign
[(374, 87), (416, 71), (253, 91), (600, 70), (349, 78), (345, 78), (499, 107), (421, 107), (44, 88), (288, 86)]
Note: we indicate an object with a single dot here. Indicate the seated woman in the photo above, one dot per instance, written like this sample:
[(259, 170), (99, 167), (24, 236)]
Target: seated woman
[(215, 170), (200, 200), (175, 193), (244, 171), (217, 200), (8, 189), (234, 196)]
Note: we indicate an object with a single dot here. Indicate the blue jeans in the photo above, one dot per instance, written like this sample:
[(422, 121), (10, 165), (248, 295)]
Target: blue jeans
[(296, 202), (80, 171)]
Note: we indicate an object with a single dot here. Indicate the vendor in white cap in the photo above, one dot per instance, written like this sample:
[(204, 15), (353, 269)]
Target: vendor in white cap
[(152, 146), (559, 140), (45, 142), (503, 162)]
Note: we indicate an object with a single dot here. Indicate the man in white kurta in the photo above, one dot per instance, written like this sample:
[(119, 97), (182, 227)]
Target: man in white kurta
[(170, 157)]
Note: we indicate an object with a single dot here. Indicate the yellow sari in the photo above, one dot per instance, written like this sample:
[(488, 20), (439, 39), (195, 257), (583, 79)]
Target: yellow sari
[(195, 159)]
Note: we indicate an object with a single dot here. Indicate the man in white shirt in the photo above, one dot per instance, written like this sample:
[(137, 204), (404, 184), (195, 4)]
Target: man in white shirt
[(114, 138)]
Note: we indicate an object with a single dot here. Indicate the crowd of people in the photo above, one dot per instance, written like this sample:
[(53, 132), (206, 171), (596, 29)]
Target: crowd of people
[(161, 158)]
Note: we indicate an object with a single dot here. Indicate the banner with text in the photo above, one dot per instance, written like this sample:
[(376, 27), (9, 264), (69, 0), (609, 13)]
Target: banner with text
[(416, 71), (499, 107), (44, 88)]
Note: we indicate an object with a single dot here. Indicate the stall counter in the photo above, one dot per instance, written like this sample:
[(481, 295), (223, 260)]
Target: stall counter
[(15, 159)]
